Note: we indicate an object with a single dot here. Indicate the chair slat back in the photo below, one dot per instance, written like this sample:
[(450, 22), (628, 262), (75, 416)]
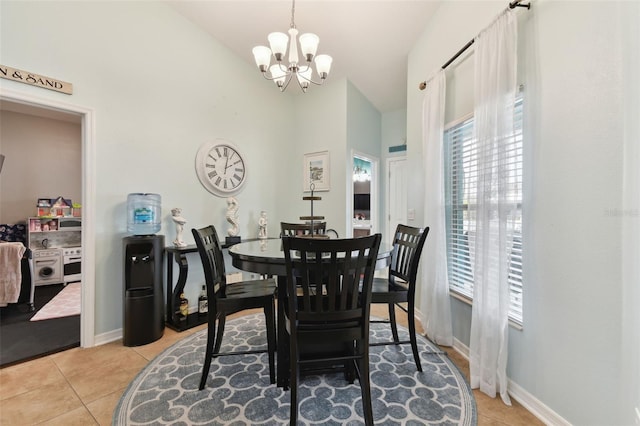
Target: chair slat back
[(330, 280), (408, 242), (212, 261), (296, 229)]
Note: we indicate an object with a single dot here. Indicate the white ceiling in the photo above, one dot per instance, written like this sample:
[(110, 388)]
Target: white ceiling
[(368, 39)]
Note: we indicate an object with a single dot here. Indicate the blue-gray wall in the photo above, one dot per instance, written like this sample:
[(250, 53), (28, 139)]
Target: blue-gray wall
[(581, 114), (160, 87)]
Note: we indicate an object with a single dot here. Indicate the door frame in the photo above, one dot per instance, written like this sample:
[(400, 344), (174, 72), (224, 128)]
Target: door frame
[(87, 115)]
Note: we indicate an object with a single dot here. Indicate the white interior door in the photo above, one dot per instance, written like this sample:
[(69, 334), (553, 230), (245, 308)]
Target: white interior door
[(396, 195)]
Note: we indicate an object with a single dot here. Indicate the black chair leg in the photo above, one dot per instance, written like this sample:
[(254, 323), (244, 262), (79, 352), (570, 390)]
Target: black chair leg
[(211, 332), (284, 374), (392, 322), (350, 369), (222, 320), (269, 314), (365, 389), (412, 337), (293, 385)]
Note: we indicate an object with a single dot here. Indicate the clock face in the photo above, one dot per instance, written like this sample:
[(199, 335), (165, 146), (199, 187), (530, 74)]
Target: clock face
[(220, 168)]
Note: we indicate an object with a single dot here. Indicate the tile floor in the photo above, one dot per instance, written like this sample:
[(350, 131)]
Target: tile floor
[(83, 386)]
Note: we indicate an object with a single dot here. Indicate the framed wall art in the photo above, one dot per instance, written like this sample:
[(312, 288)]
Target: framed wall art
[(316, 171)]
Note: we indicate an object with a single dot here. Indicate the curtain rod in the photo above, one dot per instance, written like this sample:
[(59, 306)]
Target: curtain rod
[(512, 5)]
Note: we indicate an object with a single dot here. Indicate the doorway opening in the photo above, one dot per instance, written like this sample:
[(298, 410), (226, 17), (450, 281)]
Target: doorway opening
[(49, 107), (363, 219)]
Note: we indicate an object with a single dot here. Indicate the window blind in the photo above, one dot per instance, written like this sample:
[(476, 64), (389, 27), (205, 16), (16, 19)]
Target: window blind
[(461, 176)]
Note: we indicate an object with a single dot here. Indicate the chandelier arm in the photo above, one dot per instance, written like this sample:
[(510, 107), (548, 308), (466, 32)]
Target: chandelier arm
[(286, 83), (311, 81), (268, 76), (267, 73), (306, 68), (303, 88)]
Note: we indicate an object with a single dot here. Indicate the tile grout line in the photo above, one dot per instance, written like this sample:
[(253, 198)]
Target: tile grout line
[(66, 379)]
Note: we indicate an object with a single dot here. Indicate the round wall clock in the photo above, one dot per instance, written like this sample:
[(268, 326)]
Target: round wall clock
[(221, 168)]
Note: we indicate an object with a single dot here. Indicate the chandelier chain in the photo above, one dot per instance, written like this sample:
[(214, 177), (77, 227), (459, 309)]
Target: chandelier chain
[(293, 11)]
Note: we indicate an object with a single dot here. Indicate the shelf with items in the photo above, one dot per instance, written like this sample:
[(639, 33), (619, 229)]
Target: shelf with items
[(173, 318), (43, 224), (53, 232), (47, 224), (178, 255), (313, 218)]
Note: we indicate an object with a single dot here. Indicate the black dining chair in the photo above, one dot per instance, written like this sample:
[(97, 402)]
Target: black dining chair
[(327, 315), (400, 287), (225, 299), (298, 229)]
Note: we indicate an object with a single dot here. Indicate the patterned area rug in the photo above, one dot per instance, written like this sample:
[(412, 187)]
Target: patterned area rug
[(238, 391), (64, 304)]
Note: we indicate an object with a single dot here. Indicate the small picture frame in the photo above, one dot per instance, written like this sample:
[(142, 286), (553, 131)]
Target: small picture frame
[(316, 171)]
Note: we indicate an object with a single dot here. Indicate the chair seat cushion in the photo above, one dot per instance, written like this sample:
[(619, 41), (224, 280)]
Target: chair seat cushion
[(385, 291), (381, 285), (257, 288)]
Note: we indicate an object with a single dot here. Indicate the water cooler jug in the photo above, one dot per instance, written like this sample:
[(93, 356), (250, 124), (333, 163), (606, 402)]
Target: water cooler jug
[(144, 213), (143, 289)]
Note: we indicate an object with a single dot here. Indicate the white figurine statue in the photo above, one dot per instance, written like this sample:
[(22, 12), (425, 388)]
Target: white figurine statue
[(232, 216), (176, 215), (262, 225)]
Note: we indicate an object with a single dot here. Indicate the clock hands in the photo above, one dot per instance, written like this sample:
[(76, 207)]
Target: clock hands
[(231, 165)]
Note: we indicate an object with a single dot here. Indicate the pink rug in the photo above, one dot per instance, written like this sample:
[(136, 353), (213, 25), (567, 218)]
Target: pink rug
[(64, 304)]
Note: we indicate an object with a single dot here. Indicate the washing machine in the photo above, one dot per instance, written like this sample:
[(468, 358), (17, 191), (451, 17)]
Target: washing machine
[(47, 267)]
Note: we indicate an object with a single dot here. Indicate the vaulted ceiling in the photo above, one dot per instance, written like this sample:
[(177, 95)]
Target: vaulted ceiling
[(369, 40)]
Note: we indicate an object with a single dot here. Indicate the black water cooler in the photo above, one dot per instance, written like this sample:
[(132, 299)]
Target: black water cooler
[(143, 289)]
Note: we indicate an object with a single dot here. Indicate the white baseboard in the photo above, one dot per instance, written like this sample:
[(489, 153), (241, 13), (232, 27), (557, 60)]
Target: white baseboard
[(517, 392), (535, 406), (108, 337)]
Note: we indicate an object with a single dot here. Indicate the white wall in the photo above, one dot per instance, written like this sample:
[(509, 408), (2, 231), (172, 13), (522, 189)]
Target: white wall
[(159, 91), (160, 88), (363, 136), (320, 123), (567, 356), (363, 124), (393, 133), (630, 362)]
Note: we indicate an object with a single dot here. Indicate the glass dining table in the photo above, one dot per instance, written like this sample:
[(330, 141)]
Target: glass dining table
[(266, 257)]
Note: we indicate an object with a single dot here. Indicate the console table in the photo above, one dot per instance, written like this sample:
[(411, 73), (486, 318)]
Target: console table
[(173, 293)]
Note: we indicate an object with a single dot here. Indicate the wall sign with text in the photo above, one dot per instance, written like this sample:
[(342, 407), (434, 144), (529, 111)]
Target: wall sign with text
[(33, 79)]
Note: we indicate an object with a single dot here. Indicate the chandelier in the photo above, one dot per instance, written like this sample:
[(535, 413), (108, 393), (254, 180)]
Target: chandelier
[(282, 73)]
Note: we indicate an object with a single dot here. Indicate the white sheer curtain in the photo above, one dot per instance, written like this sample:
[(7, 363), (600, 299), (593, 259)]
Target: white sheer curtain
[(434, 296), (495, 89)]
